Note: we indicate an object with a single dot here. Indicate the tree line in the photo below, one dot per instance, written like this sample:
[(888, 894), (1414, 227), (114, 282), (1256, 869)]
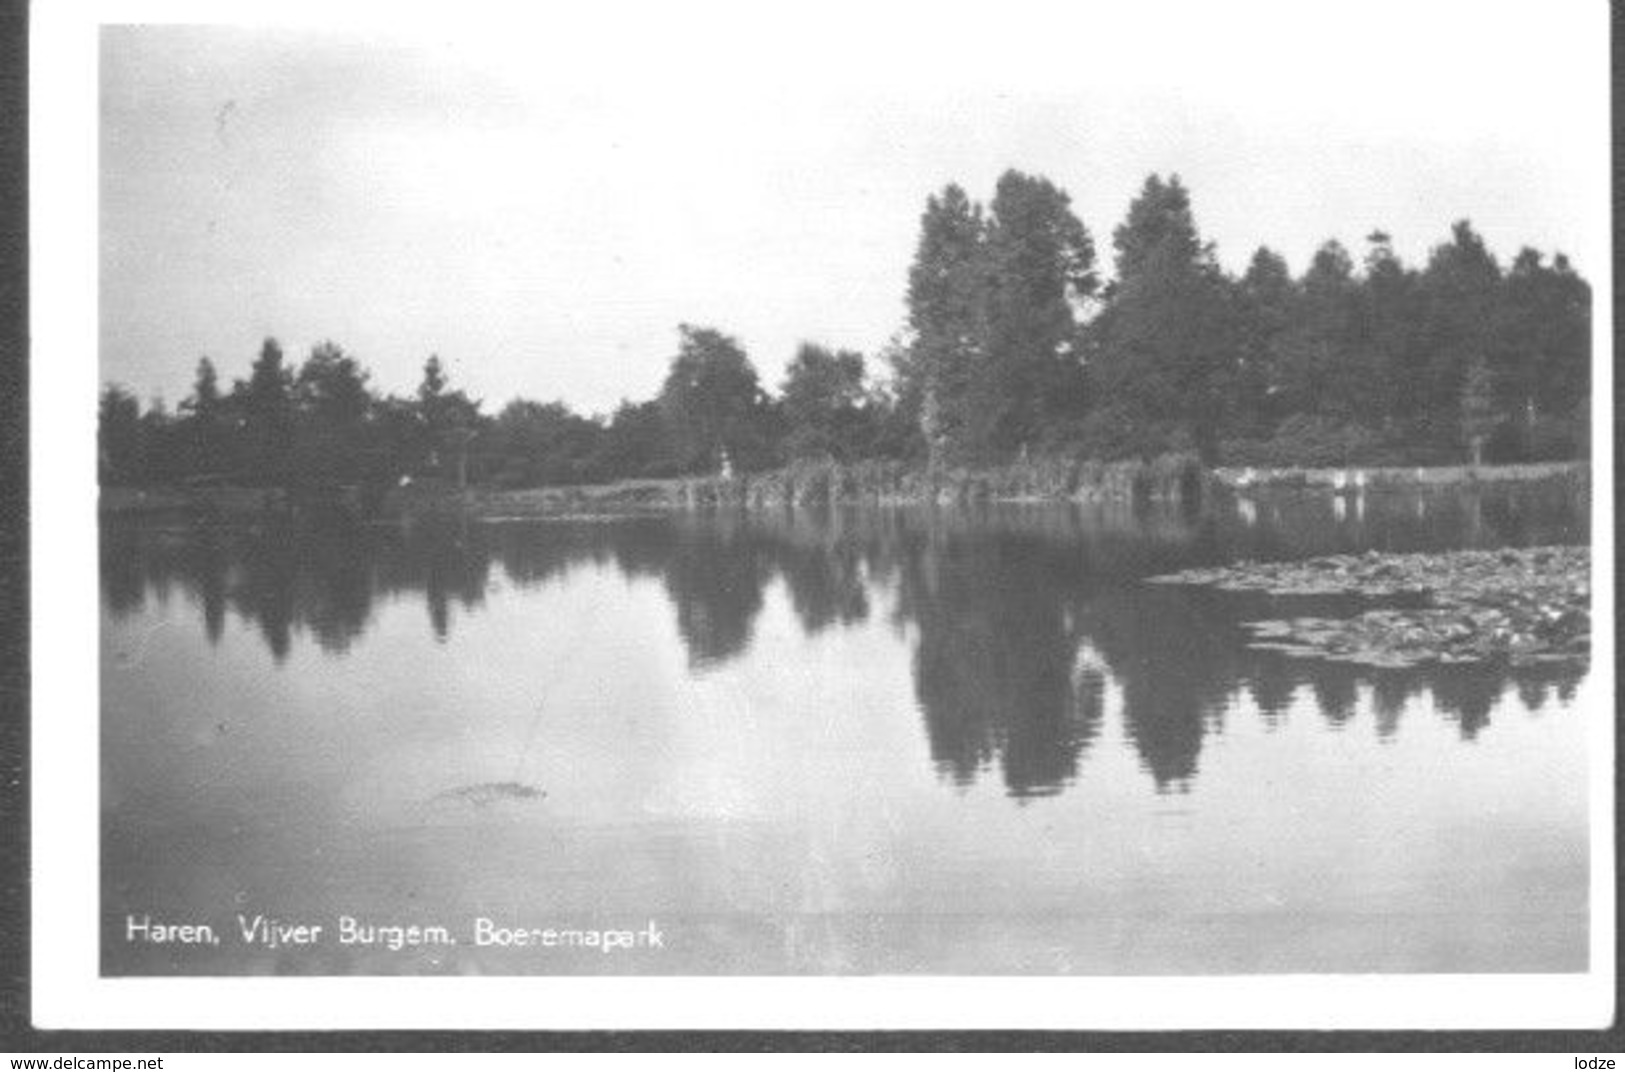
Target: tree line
[(1015, 345)]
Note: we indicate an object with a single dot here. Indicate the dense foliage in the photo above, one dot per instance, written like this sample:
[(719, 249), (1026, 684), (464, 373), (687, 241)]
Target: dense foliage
[(1013, 345)]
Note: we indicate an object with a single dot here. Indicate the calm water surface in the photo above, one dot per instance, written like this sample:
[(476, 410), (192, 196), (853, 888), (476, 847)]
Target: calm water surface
[(867, 741)]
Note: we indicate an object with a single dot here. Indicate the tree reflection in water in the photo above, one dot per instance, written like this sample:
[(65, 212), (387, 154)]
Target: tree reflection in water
[(1025, 621)]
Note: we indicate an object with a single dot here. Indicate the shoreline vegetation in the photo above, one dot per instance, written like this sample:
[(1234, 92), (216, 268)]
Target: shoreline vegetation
[(1354, 479), (1168, 479)]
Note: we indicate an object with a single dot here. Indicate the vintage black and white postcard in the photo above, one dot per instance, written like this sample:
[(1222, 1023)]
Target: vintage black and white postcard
[(858, 514)]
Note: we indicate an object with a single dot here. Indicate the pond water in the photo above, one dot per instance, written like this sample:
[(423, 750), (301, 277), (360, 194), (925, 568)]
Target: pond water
[(866, 741)]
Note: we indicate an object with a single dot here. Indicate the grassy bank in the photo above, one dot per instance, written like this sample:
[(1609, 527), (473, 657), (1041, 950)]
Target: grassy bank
[(1173, 478), (1168, 479), (1353, 478)]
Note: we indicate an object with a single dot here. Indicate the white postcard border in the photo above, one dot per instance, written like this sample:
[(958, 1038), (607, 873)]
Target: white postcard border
[(68, 991)]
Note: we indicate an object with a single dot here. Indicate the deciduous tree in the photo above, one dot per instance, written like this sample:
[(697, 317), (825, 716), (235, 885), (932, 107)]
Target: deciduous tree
[(1040, 272), (822, 400), (947, 314), (712, 402)]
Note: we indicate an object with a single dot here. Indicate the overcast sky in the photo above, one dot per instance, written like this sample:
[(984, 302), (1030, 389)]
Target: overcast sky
[(542, 203)]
